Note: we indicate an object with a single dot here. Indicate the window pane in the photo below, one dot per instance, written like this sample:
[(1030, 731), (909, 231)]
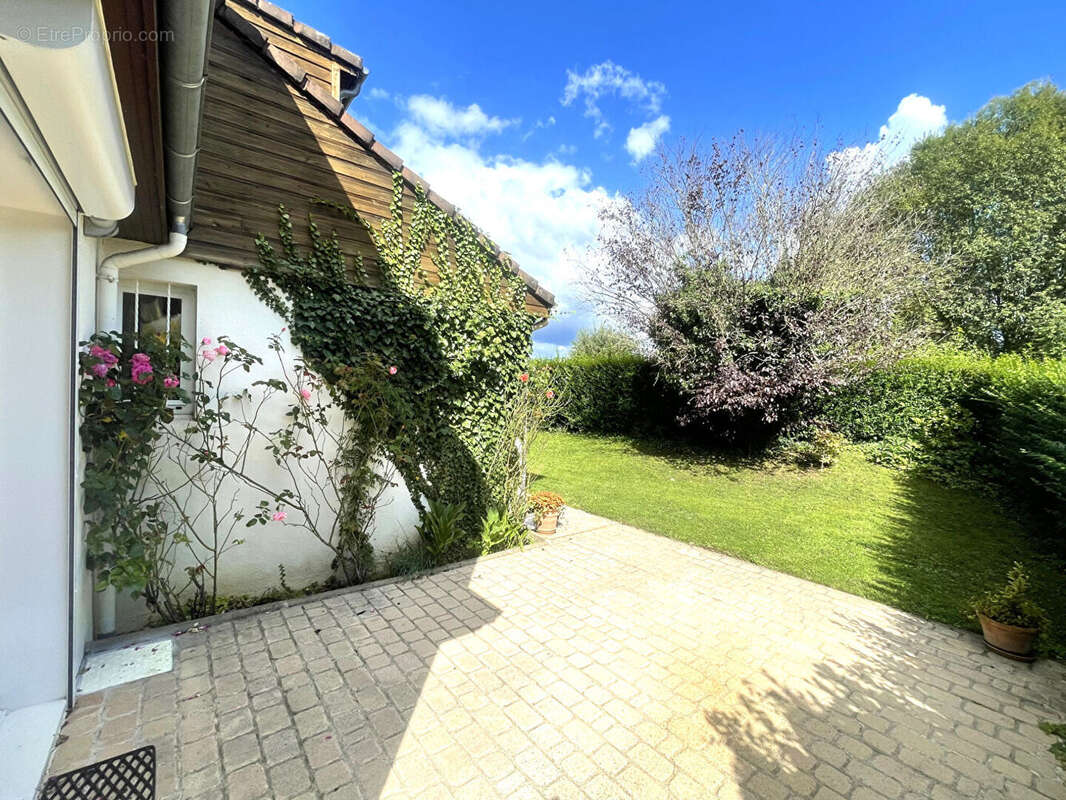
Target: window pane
[(151, 315)]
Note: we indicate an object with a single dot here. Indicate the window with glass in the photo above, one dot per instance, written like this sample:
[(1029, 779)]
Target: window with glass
[(150, 309)]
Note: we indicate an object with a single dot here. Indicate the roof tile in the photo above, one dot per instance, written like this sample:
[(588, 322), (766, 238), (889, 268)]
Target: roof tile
[(415, 179), (386, 155), (441, 203), (527, 279), (358, 130), (346, 55), (276, 12), (309, 33), (243, 27), (324, 98), (287, 64)]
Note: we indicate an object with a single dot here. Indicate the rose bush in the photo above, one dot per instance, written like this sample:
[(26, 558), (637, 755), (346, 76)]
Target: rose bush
[(123, 402)]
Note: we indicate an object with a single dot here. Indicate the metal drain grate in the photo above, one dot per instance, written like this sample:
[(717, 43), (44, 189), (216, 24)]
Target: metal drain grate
[(130, 776)]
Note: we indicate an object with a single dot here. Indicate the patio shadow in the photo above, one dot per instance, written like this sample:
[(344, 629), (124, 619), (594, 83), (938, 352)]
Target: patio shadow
[(943, 549), (911, 710)]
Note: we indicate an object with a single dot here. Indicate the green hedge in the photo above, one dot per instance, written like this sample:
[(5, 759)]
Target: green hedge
[(969, 420), (610, 394), (963, 420)]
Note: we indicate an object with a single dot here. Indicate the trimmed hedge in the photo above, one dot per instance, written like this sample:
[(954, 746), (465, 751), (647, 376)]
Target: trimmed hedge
[(968, 420), (615, 394)]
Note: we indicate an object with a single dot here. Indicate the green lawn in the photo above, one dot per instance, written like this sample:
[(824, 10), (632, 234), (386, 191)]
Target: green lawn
[(856, 526)]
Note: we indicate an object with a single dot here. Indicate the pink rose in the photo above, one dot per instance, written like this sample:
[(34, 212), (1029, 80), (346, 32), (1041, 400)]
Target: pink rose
[(141, 368), (206, 340), (305, 393), (524, 377), (222, 350), (171, 381), (549, 394), (99, 370), (393, 370), (279, 516), (208, 355), (106, 357), (110, 382)]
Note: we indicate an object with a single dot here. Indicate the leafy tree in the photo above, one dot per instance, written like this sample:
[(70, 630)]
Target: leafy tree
[(604, 341), (994, 190), (764, 274)]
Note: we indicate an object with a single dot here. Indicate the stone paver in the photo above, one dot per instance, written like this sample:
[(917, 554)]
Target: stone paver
[(609, 664)]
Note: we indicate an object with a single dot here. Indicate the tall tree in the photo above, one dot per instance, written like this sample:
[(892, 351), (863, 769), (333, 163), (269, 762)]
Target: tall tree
[(604, 341), (764, 273), (994, 191)]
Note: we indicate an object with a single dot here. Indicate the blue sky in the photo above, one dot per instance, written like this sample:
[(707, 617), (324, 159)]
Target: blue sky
[(529, 116)]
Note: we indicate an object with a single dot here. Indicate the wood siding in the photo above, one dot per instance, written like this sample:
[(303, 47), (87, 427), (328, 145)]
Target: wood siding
[(318, 64), (136, 65), (264, 143)]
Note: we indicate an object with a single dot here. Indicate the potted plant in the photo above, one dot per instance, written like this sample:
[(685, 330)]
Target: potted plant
[(545, 507), (1009, 620)]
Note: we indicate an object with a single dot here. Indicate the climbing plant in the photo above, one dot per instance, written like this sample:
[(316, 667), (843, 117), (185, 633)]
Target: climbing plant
[(457, 336), (126, 383)]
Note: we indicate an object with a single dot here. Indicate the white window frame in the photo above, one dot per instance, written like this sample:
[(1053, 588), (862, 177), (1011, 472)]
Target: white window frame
[(171, 291)]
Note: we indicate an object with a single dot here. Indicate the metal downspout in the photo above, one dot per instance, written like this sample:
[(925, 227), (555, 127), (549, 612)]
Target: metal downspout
[(183, 64)]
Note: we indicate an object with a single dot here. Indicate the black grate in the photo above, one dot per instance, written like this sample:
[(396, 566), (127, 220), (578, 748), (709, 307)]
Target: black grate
[(130, 776)]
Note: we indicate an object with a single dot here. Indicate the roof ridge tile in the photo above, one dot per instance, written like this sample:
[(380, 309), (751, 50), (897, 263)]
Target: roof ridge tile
[(276, 13)]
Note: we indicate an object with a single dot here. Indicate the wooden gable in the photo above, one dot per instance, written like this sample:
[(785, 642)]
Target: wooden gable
[(271, 134)]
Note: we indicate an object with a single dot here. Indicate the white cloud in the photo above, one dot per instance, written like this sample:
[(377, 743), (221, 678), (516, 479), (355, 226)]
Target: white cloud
[(915, 118), (608, 79), (641, 141), (378, 94), (436, 115), (539, 125), (546, 214)]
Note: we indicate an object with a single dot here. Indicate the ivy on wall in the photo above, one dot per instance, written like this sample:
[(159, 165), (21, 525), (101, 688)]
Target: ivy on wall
[(458, 339)]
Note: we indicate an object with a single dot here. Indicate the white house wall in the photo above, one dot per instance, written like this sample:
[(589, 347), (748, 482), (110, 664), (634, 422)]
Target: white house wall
[(35, 265), (226, 306)]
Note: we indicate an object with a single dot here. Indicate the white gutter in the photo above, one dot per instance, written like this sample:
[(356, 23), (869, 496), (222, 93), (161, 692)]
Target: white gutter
[(108, 308), (57, 54)]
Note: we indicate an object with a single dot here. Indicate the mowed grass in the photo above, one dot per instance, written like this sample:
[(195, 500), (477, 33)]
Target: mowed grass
[(856, 526)]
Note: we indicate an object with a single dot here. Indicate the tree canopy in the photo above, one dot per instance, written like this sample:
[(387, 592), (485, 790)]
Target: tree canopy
[(993, 189), (764, 273), (604, 341)]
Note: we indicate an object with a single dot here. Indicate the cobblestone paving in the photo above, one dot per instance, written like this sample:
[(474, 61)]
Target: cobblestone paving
[(608, 664)]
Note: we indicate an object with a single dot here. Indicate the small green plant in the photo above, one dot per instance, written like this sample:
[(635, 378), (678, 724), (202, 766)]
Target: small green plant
[(406, 560), (544, 503), (500, 532), (818, 447), (440, 529), (1010, 604), (1058, 730)]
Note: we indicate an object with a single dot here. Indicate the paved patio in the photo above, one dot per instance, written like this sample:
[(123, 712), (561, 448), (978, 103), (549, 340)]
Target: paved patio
[(609, 664)]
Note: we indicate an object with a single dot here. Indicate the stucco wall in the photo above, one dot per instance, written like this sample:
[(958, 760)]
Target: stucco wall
[(226, 306), (35, 259)]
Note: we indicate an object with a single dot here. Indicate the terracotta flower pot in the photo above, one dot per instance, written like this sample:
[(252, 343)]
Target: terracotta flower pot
[(1008, 640), (548, 523)]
